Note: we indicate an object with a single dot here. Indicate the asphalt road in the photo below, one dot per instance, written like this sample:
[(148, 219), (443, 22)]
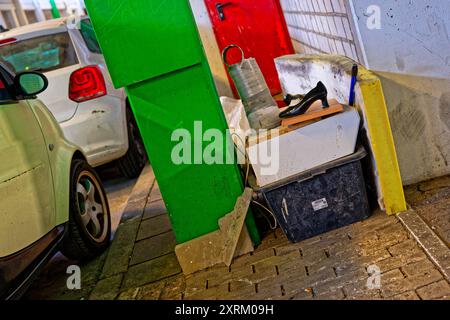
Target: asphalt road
[(51, 282), (118, 190)]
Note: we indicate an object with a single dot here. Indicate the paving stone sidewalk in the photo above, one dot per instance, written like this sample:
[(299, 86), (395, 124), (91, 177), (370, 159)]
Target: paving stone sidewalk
[(141, 263), (431, 200)]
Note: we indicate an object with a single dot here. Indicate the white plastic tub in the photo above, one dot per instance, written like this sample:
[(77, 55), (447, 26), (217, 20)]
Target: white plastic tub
[(305, 148)]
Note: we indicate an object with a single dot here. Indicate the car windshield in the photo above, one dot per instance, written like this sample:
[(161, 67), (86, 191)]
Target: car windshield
[(42, 54)]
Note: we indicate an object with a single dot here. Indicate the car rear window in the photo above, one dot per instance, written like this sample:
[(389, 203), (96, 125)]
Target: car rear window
[(88, 34), (45, 53)]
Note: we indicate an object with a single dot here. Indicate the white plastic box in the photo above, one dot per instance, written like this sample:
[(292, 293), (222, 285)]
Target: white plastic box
[(306, 148)]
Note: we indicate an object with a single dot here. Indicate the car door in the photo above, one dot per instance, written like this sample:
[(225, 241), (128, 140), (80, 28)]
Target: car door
[(26, 188)]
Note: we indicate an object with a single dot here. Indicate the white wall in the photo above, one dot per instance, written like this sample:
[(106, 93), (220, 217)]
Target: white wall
[(413, 39), (411, 54)]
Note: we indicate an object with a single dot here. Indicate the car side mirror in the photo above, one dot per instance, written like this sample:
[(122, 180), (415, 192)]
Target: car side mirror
[(30, 84)]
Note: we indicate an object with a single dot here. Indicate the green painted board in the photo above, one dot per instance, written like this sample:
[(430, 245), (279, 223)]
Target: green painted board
[(170, 87), (142, 39), (196, 195)]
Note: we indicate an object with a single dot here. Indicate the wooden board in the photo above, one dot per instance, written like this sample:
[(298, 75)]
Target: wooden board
[(316, 112), (221, 246), (232, 224)]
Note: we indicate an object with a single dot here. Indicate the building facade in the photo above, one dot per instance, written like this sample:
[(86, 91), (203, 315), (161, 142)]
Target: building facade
[(15, 13)]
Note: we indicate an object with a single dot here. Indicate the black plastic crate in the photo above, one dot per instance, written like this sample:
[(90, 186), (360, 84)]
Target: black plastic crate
[(320, 200)]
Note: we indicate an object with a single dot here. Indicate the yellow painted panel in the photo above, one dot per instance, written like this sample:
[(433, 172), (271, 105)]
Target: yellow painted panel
[(382, 142)]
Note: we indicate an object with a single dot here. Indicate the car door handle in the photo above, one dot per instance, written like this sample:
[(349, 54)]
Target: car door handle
[(219, 7)]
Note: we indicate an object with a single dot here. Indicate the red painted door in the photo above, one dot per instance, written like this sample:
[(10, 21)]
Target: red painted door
[(258, 27)]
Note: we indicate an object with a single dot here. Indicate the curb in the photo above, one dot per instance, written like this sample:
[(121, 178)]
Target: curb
[(121, 248), (434, 247), (139, 195)]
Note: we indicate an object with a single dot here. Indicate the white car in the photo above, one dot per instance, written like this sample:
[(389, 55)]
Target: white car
[(91, 113)]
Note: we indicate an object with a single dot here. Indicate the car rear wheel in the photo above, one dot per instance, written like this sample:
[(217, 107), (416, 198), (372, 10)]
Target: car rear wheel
[(133, 162), (89, 229)]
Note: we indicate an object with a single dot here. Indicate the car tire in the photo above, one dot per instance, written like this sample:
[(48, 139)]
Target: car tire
[(89, 226), (133, 162)]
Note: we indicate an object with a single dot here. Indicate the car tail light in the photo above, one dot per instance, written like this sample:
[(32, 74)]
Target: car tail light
[(86, 84), (8, 40)]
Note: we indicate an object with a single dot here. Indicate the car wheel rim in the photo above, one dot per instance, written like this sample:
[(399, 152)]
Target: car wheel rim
[(92, 207)]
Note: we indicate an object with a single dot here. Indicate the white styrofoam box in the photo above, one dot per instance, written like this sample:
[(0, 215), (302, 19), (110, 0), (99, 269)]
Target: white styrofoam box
[(305, 148)]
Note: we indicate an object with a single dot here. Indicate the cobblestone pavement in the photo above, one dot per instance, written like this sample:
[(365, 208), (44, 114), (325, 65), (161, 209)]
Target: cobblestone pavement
[(141, 263), (431, 200)]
